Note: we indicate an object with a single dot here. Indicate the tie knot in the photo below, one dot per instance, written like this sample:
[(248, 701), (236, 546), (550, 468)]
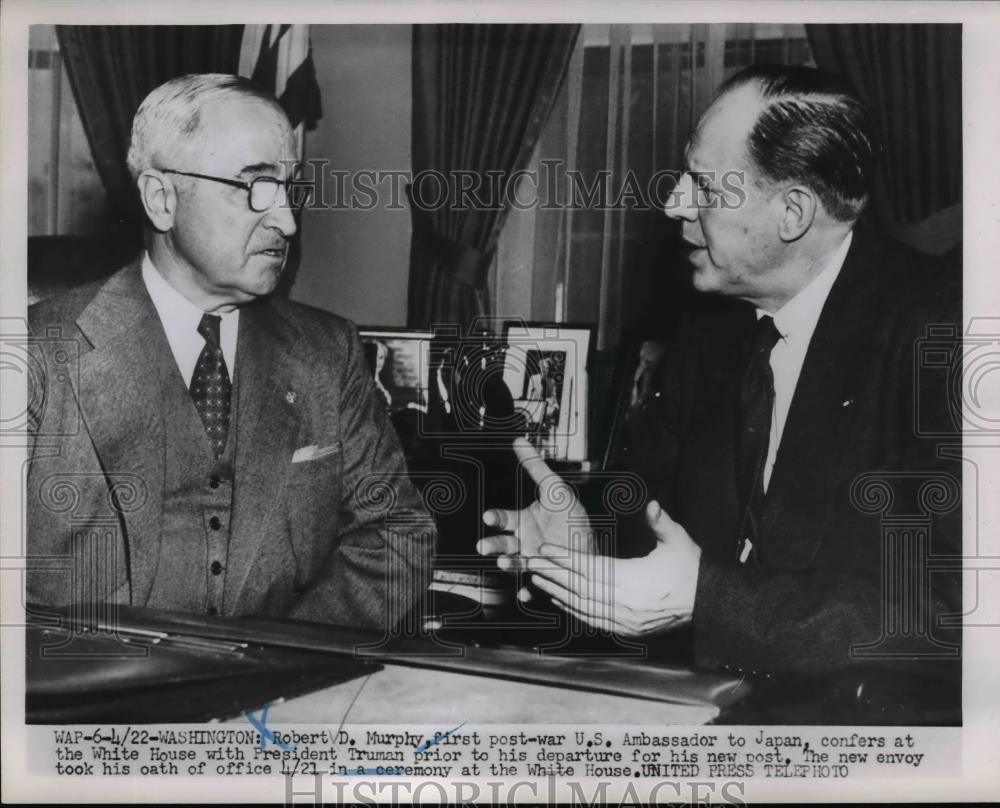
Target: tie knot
[(209, 329), (766, 335)]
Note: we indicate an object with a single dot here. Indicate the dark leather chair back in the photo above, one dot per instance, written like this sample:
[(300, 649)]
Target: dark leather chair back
[(60, 263)]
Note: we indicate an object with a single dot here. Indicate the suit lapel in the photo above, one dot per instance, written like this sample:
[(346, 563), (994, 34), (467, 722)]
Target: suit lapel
[(823, 407), (117, 392), (272, 383)]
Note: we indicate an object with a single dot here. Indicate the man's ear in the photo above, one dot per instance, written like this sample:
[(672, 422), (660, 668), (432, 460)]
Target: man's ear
[(159, 198), (798, 212)]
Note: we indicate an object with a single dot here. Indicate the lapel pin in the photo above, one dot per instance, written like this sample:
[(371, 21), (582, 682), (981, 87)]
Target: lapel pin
[(290, 396)]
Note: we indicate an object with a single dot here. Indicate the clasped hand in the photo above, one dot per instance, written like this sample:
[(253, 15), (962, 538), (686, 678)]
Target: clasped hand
[(553, 541)]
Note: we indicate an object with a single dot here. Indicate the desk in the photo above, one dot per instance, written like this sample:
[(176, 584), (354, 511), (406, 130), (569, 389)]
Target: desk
[(213, 667), (406, 695)]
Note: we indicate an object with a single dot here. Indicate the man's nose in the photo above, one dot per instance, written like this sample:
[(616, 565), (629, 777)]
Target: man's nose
[(681, 202), (280, 215)]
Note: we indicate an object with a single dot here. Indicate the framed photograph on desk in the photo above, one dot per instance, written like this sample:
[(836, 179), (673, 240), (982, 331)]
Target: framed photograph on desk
[(546, 372), (399, 360)]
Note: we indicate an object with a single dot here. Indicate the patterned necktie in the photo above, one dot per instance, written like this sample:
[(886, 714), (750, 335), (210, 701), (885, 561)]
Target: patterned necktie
[(211, 390), (756, 404)]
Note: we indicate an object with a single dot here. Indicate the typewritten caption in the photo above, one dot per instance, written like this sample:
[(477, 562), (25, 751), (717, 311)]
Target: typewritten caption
[(486, 751)]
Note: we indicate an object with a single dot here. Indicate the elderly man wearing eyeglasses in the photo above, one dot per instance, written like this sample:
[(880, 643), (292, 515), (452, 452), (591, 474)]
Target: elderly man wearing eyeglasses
[(223, 446)]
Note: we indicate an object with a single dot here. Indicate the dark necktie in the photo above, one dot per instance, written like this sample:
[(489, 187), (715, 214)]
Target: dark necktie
[(210, 387), (756, 404)]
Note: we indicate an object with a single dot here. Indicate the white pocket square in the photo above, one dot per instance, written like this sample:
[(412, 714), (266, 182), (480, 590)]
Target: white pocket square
[(313, 452)]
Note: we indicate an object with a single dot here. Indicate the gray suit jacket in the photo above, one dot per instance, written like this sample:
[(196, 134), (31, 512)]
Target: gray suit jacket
[(343, 538)]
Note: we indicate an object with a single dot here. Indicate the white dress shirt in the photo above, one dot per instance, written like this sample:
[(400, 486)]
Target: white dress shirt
[(180, 318), (795, 322)]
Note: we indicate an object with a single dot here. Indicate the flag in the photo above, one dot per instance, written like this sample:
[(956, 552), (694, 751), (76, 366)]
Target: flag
[(279, 58)]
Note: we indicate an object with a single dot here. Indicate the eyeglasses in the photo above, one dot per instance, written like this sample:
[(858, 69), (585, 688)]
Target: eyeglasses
[(262, 192)]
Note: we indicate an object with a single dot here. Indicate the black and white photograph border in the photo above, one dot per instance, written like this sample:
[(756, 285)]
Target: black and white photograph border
[(958, 763), (554, 356)]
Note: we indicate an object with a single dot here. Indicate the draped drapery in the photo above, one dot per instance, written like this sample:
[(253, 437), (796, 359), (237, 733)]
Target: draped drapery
[(911, 78), (112, 68), (279, 57), (481, 94)]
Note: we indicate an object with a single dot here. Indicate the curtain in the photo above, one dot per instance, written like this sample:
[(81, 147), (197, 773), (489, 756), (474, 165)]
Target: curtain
[(632, 97), (112, 68), (911, 79), (481, 94)]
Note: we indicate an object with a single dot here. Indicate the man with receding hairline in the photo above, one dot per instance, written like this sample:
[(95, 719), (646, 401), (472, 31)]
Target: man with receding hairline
[(231, 457), (775, 413)]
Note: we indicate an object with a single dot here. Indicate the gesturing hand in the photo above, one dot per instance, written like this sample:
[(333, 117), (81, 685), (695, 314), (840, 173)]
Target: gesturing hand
[(630, 597), (556, 518)]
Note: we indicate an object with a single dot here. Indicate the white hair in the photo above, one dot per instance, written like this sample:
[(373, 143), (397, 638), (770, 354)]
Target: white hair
[(169, 117)]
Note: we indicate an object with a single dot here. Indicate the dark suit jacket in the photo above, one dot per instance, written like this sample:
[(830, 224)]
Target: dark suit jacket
[(850, 478), (310, 540)]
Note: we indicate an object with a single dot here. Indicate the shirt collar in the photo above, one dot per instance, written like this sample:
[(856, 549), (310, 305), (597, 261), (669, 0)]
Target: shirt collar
[(798, 317), (171, 304), (177, 313), (180, 318)]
